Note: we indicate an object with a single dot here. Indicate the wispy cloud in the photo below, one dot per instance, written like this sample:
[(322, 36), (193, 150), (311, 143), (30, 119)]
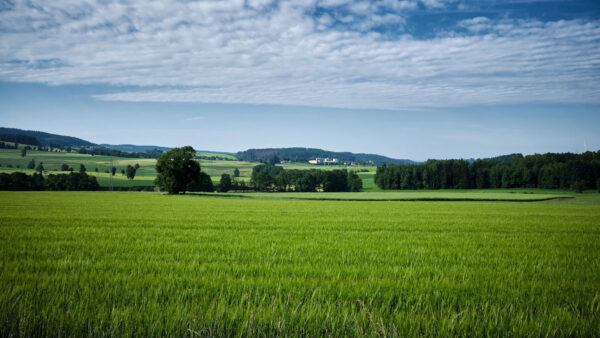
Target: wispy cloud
[(304, 52), (195, 118)]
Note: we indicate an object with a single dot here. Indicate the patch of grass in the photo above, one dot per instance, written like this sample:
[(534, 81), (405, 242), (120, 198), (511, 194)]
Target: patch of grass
[(122, 264), (208, 154)]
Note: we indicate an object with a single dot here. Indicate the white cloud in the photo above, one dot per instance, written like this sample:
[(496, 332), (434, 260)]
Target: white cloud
[(265, 52), (195, 118), (476, 24)]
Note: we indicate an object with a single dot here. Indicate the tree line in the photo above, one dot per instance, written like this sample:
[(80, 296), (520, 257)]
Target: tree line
[(268, 177), (71, 181), (179, 172), (304, 154), (24, 139), (546, 171), (154, 153), (8, 145)]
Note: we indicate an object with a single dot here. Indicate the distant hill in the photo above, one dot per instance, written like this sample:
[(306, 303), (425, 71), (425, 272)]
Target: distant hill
[(215, 152), (47, 139), (133, 148), (305, 154), (143, 148)]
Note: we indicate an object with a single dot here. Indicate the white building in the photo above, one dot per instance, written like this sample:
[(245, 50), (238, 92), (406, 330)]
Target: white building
[(324, 161)]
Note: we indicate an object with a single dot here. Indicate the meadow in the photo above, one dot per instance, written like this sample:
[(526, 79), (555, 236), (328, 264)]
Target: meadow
[(145, 175), (124, 263)]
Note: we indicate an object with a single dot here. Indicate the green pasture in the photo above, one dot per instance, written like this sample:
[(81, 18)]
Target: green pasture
[(216, 168), (52, 162), (368, 180), (146, 264), (226, 156), (145, 175)]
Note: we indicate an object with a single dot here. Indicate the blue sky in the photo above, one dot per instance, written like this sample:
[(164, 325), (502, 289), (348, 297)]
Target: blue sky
[(411, 79)]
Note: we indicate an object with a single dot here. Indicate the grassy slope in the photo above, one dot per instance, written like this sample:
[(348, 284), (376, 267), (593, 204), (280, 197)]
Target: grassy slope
[(150, 264), (227, 156), (144, 177), (146, 174)]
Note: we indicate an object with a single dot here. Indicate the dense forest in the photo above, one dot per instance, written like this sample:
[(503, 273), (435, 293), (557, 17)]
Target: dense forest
[(71, 181), (117, 153), (547, 171), (305, 154), (47, 139), (23, 139), (268, 177), (133, 148)]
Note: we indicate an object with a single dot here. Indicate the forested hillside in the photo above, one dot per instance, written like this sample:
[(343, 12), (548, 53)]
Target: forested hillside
[(548, 171), (47, 139), (305, 154), (134, 148)]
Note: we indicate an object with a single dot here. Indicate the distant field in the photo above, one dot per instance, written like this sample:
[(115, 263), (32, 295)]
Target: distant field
[(145, 175), (227, 156), (306, 165), (146, 264), (415, 195)]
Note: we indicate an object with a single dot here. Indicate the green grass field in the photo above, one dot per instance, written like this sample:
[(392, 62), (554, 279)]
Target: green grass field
[(122, 264), (145, 175)]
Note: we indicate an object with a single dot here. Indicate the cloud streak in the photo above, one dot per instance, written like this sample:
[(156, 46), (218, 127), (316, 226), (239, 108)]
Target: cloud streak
[(311, 53)]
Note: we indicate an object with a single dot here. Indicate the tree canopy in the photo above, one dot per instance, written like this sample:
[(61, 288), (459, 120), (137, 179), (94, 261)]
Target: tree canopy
[(225, 183), (130, 171), (202, 183), (547, 171), (268, 177), (176, 169)]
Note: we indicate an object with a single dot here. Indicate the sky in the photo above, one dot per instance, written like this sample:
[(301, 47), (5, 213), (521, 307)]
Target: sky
[(414, 79)]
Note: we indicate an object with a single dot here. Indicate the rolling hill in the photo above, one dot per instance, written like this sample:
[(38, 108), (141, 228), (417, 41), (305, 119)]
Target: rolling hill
[(305, 154), (47, 139), (294, 154), (133, 148)]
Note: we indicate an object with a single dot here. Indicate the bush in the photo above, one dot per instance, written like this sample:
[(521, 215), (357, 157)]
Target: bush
[(203, 183)]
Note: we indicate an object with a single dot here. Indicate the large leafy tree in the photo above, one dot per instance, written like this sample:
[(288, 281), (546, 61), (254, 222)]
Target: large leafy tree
[(225, 183), (176, 169), (130, 171)]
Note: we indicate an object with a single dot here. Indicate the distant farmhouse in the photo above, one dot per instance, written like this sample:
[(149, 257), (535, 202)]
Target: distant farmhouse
[(324, 161)]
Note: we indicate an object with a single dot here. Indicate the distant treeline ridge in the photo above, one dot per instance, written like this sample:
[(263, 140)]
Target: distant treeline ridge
[(23, 139), (118, 153), (305, 154), (546, 171)]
